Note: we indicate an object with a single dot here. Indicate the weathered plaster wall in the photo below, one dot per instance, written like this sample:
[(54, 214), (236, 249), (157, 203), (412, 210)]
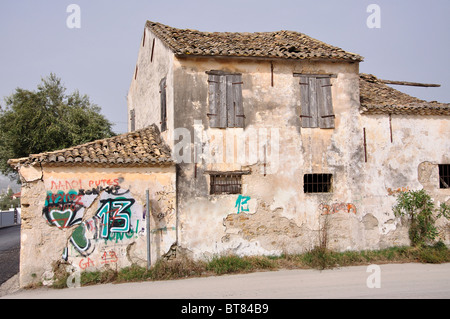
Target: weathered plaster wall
[(408, 162), (281, 216), (154, 62), (278, 215), (86, 219)]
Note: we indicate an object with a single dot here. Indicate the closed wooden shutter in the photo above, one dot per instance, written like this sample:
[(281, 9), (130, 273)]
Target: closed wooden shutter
[(315, 101), (325, 104), (132, 120), (225, 100), (308, 101), (162, 90), (239, 117), (214, 100), (230, 104)]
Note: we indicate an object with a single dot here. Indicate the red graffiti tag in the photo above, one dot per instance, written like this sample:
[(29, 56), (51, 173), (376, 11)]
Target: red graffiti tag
[(336, 208)]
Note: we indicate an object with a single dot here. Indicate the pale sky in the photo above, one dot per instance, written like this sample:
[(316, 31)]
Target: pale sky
[(412, 43)]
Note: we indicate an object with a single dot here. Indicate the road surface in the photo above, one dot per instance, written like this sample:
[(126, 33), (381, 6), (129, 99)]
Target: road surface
[(394, 281), (9, 252)]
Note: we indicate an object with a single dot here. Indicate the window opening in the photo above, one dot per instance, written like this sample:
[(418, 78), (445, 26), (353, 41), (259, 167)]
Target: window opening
[(317, 183)]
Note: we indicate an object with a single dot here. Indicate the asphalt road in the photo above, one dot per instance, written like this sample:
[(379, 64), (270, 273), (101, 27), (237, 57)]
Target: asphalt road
[(395, 281), (9, 252)]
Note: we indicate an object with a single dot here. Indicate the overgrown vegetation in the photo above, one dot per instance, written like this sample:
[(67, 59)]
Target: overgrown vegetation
[(318, 258), (416, 205), (419, 208)]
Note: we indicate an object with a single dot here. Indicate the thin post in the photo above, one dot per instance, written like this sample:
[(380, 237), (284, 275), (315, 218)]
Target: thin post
[(147, 217)]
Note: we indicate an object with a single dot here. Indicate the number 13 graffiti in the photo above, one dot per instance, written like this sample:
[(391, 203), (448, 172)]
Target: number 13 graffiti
[(115, 216)]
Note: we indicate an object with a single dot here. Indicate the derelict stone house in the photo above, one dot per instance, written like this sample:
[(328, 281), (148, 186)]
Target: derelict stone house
[(273, 131), (247, 143), (84, 208)]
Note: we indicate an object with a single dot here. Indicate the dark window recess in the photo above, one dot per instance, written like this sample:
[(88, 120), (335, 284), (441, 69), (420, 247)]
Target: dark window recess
[(316, 102), (225, 100), (317, 183), (153, 49), (225, 184), (162, 91), (444, 175)]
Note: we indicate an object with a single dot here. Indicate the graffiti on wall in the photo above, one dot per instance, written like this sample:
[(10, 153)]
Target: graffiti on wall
[(334, 208), (117, 218), (396, 191), (242, 204), (65, 210)]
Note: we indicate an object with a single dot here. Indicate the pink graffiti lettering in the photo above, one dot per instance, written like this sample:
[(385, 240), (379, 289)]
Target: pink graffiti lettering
[(104, 182), (84, 264), (337, 208), (398, 190), (109, 257), (65, 185)]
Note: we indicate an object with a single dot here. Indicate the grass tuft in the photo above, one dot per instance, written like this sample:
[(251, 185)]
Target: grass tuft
[(317, 258)]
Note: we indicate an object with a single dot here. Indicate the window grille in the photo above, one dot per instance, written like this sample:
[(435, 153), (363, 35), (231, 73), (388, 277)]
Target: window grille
[(225, 184), (317, 183), (444, 175)]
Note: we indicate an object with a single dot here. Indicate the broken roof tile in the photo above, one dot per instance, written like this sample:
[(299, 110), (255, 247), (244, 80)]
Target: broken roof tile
[(378, 98)]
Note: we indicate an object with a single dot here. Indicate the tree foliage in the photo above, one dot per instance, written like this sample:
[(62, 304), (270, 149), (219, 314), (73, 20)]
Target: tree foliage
[(419, 207), (47, 119)]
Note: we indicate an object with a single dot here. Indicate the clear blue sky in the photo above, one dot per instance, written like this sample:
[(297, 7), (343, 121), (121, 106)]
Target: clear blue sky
[(99, 58)]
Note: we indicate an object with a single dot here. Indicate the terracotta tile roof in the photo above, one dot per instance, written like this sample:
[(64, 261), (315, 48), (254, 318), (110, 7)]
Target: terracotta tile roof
[(379, 98), (141, 147), (279, 44)]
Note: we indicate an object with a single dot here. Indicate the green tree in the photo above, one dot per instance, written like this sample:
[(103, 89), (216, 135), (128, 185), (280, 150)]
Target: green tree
[(47, 119), (6, 200)]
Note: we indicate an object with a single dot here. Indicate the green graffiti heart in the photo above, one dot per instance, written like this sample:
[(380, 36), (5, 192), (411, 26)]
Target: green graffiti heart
[(61, 219), (79, 238)]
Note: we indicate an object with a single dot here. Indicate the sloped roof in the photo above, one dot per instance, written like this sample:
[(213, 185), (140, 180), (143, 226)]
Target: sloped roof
[(141, 147), (279, 44), (379, 98)]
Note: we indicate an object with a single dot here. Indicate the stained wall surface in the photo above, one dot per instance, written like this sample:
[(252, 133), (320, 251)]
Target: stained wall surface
[(86, 219), (371, 158)]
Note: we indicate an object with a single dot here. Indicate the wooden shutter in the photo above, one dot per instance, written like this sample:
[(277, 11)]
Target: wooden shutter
[(162, 90), (132, 120), (239, 117), (217, 101), (308, 101), (325, 104), (230, 104)]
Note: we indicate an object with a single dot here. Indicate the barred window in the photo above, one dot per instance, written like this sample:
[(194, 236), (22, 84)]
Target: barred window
[(225, 183), (444, 175), (317, 183)]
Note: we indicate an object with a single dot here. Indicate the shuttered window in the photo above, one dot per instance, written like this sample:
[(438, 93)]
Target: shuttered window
[(225, 100), (132, 120), (162, 91), (316, 102)]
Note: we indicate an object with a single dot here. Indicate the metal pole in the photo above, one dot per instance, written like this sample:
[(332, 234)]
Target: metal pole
[(147, 217)]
